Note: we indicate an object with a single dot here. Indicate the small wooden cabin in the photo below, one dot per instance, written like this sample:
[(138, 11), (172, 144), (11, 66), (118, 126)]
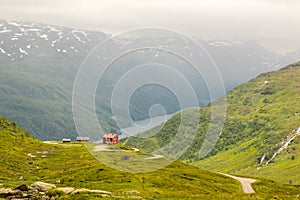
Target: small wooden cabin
[(110, 138), (66, 140), (82, 139)]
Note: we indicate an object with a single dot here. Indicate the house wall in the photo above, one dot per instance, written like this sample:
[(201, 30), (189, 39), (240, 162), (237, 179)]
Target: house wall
[(115, 140)]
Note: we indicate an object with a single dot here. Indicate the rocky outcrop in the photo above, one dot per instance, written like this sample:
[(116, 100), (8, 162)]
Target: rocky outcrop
[(88, 191), (132, 192), (12, 194), (41, 186), (4, 192), (66, 190), (22, 187), (45, 191)]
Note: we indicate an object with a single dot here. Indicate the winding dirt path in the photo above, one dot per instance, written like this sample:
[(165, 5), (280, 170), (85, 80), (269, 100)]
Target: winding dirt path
[(246, 183), (154, 157)]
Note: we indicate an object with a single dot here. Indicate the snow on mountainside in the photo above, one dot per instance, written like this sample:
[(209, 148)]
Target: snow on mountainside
[(21, 39)]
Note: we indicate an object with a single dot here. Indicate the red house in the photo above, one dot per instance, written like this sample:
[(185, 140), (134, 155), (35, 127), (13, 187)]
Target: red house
[(110, 138)]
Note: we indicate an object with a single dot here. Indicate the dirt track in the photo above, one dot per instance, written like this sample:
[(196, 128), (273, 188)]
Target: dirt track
[(246, 183)]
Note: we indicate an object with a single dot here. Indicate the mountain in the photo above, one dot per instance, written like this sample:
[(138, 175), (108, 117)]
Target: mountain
[(39, 64), (261, 133), (25, 160)]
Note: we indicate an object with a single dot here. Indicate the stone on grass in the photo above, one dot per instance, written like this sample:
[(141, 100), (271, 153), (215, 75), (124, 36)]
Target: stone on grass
[(4, 192), (67, 190), (41, 186), (88, 191), (22, 187), (131, 192)]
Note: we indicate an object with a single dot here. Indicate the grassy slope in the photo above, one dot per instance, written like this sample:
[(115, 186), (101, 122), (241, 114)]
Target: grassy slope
[(74, 166), (259, 115), (273, 116)]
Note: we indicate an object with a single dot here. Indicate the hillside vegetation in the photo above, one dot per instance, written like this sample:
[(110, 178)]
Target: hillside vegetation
[(261, 114), (25, 160)]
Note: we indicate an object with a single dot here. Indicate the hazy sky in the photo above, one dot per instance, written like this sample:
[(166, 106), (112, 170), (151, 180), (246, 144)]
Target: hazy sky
[(273, 23)]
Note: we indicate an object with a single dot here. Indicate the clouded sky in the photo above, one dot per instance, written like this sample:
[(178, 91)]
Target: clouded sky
[(273, 23)]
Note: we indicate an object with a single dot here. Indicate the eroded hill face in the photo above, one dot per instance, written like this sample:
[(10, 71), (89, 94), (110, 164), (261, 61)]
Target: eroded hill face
[(262, 115)]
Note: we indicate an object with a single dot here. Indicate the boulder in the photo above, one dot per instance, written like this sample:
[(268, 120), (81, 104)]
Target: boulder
[(67, 190), (101, 192), (132, 192), (15, 192), (4, 192), (22, 187), (88, 191), (41, 186)]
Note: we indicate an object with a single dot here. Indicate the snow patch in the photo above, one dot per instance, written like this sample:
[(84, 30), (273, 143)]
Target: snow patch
[(225, 43), (23, 51), (2, 51), (264, 57), (53, 29), (156, 55), (34, 29), (13, 23), (43, 36), (82, 32), (220, 44), (187, 47), (5, 31), (78, 38)]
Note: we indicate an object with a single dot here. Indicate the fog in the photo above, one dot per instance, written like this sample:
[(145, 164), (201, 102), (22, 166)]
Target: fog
[(273, 23)]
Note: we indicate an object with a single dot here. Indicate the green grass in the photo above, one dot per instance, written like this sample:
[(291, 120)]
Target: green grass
[(74, 166)]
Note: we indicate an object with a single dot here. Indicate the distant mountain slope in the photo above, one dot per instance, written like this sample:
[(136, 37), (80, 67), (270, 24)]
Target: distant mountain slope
[(39, 63), (262, 117), (25, 160)]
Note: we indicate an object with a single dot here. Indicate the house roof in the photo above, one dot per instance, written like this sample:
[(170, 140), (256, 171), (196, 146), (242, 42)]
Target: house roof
[(110, 135), (82, 138)]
